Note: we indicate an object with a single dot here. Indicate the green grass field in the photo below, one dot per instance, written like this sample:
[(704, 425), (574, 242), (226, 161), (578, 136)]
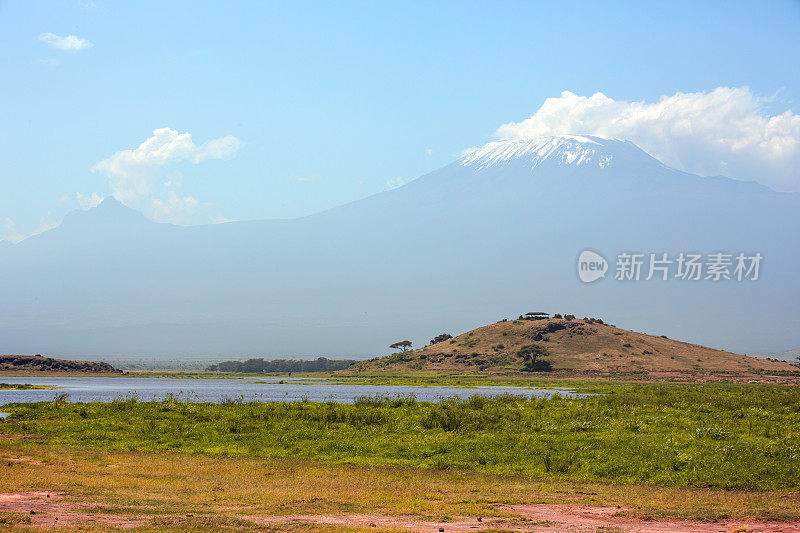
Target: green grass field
[(721, 435)]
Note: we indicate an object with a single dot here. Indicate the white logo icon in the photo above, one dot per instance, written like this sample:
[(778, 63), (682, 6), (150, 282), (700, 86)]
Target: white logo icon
[(591, 266)]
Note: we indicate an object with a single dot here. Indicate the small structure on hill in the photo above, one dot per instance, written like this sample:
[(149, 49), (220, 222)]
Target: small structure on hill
[(535, 315)]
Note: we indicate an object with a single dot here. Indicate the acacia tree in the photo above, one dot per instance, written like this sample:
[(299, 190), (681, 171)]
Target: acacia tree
[(530, 357), (401, 345)]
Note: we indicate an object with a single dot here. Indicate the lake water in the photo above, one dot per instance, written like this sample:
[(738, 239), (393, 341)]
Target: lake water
[(267, 389)]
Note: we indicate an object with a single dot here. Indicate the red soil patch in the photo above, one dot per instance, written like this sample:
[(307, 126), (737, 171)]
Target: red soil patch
[(51, 510), (17, 437), (48, 510), (536, 518), (19, 459)]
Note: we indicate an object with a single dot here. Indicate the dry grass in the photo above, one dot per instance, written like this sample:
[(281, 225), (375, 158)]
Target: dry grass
[(159, 491), (574, 345)]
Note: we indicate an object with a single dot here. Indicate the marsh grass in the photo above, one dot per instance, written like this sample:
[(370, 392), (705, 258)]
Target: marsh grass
[(24, 386), (710, 435)]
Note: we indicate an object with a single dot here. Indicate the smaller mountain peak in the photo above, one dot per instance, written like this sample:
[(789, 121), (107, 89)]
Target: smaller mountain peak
[(110, 202), (109, 212), (111, 206)]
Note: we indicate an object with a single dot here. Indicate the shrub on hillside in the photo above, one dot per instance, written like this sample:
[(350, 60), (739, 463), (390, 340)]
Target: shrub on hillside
[(441, 338), (531, 357)]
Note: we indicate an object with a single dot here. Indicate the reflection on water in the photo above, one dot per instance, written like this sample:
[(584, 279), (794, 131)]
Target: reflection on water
[(262, 389)]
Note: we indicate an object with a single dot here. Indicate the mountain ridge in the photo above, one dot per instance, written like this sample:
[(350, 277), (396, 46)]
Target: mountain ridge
[(444, 252), (563, 150)]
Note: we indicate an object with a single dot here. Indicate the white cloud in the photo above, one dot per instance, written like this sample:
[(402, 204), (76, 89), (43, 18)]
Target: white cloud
[(48, 62), (135, 175), (88, 200), (217, 148), (10, 232), (399, 181), (725, 131), (174, 208), (69, 43)]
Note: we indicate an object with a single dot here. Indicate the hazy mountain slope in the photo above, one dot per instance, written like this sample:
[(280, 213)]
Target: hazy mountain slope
[(499, 229), (573, 345)]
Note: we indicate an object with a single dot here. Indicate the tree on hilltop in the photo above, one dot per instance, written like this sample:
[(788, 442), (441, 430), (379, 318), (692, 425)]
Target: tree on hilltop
[(401, 345)]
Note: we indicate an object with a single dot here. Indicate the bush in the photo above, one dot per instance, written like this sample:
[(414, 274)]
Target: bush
[(531, 355), (538, 333), (441, 338), (541, 365)]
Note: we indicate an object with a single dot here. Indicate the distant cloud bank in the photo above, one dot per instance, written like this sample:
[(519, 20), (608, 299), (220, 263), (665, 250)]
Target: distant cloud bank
[(135, 175), (68, 43), (725, 131)]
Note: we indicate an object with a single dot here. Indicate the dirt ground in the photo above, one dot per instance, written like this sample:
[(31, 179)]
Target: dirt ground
[(46, 510)]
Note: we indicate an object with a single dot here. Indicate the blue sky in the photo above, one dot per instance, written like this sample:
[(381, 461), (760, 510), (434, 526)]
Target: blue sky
[(331, 102)]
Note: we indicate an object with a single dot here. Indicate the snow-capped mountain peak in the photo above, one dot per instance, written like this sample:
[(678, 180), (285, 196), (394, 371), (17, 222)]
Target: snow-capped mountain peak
[(565, 150)]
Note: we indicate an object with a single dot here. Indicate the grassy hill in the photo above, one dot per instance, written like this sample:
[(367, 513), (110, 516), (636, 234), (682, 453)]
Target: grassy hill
[(38, 363), (576, 345)]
